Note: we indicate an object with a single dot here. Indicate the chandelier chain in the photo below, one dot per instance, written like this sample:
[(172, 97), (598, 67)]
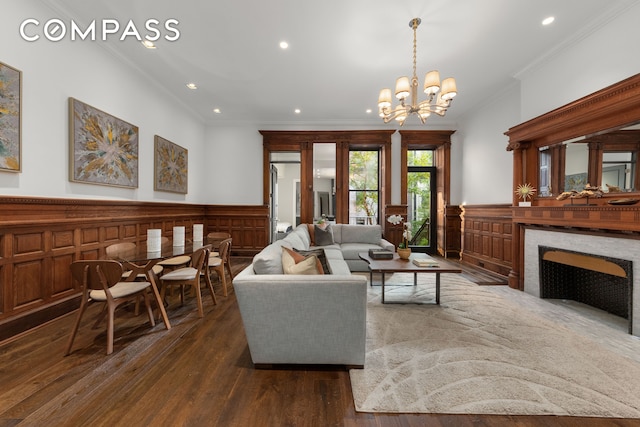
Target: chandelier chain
[(415, 49)]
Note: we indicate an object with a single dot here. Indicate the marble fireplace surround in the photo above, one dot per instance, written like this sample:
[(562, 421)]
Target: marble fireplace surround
[(616, 247)]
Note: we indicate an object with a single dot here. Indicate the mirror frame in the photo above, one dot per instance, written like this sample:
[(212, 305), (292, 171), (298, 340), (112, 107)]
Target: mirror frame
[(611, 108)]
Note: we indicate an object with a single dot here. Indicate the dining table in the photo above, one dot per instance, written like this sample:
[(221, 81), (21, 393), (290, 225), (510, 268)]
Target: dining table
[(141, 261)]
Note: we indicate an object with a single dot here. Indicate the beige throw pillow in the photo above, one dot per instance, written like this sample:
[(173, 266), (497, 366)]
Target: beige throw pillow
[(307, 265)]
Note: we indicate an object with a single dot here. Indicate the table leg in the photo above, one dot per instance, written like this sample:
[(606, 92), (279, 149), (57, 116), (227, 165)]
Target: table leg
[(370, 278), (146, 269), (383, 287), (438, 288), (415, 279)]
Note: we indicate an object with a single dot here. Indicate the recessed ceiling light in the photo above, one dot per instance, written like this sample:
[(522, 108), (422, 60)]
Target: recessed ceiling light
[(368, 110), (297, 111), (284, 45), (192, 86), (148, 44), (217, 110), (548, 21)]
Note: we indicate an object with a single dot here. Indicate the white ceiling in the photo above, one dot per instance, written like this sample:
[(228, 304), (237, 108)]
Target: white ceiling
[(342, 52)]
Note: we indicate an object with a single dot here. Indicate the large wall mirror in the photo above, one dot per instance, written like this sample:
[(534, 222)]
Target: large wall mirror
[(608, 160), (597, 136)]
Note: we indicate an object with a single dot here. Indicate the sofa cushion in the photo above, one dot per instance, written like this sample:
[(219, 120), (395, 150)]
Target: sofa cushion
[(294, 240), (371, 234), (307, 265), (323, 237), (269, 260), (319, 253), (303, 233)]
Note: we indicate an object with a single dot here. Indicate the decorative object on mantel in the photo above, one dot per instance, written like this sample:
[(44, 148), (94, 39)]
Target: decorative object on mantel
[(525, 192), (589, 191), (613, 189), (404, 87), (625, 201), (404, 251)]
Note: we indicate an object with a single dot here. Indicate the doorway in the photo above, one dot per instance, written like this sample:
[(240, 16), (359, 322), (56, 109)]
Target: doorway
[(284, 193), (421, 201)]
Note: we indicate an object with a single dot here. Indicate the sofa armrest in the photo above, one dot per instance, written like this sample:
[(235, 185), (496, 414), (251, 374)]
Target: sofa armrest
[(385, 244), (295, 319)]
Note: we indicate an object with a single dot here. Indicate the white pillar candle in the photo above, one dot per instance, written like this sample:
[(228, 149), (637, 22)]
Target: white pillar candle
[(178, 236), (198, 232), (154, 236)]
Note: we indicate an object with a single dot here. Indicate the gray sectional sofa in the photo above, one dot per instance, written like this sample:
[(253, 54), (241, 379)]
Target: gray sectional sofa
[(308, 319)]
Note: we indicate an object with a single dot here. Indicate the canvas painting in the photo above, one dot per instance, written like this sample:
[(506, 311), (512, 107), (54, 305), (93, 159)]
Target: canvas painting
[(104, 149), (171, 166), (10, 118)]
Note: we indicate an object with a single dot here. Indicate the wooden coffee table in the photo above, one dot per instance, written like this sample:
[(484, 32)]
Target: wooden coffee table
[(398, 265)]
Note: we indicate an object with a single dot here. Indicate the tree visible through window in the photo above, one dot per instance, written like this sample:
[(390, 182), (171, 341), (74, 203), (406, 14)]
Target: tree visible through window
[(420, 185), (364, 187)]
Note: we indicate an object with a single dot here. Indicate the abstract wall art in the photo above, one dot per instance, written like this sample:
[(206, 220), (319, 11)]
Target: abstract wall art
[(170, 166), (104, 149), (10, 118)]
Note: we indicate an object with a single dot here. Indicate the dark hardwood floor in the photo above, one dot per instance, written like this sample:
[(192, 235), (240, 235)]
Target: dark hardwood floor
[(197, 374)]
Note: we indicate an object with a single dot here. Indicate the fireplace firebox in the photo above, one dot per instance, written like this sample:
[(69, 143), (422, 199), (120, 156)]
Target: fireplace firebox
[(599, 281)]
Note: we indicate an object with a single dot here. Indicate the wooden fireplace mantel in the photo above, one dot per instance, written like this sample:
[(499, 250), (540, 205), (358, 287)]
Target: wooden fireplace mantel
[(613, 107)]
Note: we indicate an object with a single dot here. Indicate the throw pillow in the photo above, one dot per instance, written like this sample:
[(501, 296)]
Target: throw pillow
[(319, 253), (304, 265), (323, 237), (311, 234)]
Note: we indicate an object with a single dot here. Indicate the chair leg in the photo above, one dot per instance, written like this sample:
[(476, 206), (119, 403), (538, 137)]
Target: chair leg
[(74, 331), (110, 328), (223, 277), (147, 303), (199, 297), (207, 280), (228, 264)]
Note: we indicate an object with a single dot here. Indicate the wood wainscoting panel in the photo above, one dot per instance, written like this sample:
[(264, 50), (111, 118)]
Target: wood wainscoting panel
[(247, 224), (487, 238), (28, 284), (40, 238)]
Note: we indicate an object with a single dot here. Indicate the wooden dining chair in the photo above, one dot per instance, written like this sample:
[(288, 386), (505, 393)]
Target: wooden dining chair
[(189, 276), (215, 238), (176, 261), (222, 263), (101, 281), (122, 251)]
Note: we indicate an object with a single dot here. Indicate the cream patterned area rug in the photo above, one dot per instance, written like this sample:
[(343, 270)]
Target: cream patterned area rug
[(478, 353)]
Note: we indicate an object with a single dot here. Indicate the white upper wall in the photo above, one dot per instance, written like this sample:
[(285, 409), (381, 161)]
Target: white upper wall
[(225, 162), (53, 72), (598, 59)]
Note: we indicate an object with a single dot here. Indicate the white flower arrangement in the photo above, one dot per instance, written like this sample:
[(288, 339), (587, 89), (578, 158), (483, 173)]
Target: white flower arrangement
[(395, 219)]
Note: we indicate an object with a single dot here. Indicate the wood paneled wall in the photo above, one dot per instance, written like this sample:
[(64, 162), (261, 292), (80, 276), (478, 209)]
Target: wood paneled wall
[(40, 237), (248, 225), (487, 237), (450, 243)]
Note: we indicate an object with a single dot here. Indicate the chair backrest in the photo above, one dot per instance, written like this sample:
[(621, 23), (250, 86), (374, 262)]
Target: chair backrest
[(120, 250), (200, 259), (224, 249), (97, 274)]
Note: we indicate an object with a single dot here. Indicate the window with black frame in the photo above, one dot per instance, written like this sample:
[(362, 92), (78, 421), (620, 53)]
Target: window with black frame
[(364, 186)]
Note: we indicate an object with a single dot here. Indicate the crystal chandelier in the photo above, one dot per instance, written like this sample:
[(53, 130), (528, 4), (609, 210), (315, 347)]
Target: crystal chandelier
[(439, 95)]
